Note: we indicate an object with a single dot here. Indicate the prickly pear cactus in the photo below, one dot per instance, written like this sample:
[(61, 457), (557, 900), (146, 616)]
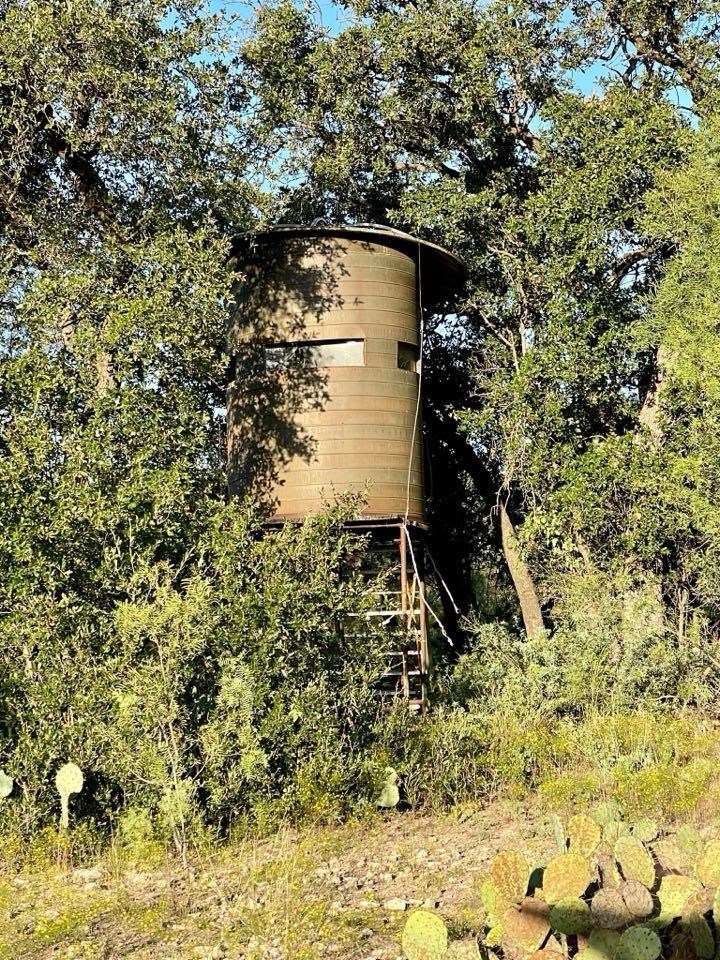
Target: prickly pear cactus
[(425, 936), (707, 869), (68, 780), (525, 927), (623, 920), (605, 813), (635, 861), (607, 868), (645, 830), (559, 833), (602, 945), (638, 898), (613, 831), (6, 785), (695, 924), (639, 943), (551, 951), (568, 875), (494, 936), (673, 893), (584, 835), (570, 916), (494, 903), (699, 902), (609, 909), (390, 793), (463, 950), (510, 874), (689, 841)]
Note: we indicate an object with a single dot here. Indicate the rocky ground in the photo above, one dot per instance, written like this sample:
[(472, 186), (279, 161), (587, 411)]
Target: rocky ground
[(331, 892)]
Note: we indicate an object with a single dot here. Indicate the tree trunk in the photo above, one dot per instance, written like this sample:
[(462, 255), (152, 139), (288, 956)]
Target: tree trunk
[(523, 582), (649, 416), (470, 460)]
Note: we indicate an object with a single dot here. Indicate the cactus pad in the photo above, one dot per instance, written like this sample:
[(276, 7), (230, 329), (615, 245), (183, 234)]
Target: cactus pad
[(6, 785), (635, 861), (609, 910), (602, 945), (571, 915), (526, 927), (568, 875), (613, 831), (494, 903), (510, 874), (463, 950), (707, 869), (494, 936), (670, 856), (609, 873), (689, 841), (551, 951), (606, 812), (584, 835), (645, 830), (698, 928), (716, 910), (638, 898), (68, 780), (390, 793), (425, 936), (699, 902), (673, 893), (559, 833), (639, 943)]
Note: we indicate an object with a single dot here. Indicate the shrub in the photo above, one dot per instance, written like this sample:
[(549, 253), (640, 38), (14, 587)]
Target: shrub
[(233, 680), (610, 653)]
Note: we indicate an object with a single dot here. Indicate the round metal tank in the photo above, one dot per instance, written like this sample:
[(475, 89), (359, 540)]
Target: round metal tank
[(325, 334)]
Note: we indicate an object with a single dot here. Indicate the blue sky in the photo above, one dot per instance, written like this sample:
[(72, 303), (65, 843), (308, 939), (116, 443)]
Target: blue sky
[(334, 17)]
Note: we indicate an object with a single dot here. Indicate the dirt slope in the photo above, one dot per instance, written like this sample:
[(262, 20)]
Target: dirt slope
[(331, 892)]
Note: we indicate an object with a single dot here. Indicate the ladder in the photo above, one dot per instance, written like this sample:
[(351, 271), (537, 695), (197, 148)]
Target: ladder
[(401, 610)]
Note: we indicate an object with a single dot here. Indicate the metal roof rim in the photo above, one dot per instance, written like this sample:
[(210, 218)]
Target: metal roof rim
[(358, 230)]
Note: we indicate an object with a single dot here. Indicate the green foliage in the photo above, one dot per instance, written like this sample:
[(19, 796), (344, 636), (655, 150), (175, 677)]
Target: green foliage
[(473, 125), (240, 679), (208, 675), (614, 655)]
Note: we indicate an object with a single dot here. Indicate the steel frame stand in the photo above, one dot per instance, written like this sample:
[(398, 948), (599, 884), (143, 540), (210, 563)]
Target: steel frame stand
[(399, 550)]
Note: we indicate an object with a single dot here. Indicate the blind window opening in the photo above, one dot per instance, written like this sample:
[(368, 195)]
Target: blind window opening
[(315, 353), (408, 357)]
